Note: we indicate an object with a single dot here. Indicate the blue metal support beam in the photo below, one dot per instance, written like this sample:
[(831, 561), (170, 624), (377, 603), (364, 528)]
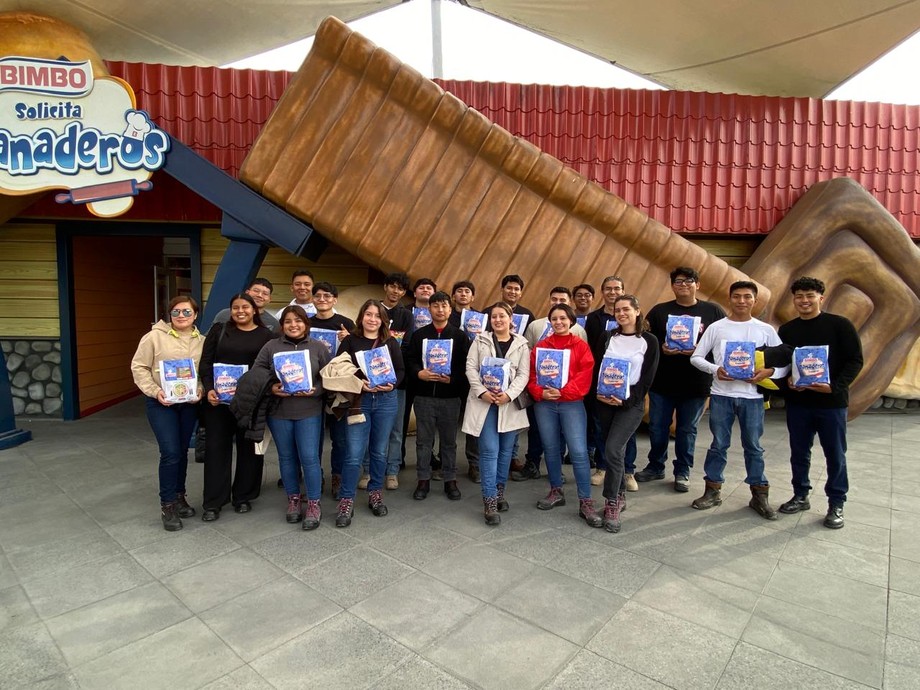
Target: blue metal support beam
[(234, 274), (255, 214)]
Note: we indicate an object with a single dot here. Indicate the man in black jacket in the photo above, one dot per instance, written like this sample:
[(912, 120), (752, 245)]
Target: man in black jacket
[(821, 407), (437, 396)]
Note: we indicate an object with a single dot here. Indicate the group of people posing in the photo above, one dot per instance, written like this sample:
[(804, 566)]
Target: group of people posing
[(492, 376)]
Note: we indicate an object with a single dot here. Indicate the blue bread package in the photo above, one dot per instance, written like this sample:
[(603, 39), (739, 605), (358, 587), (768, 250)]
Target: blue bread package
[(377, 365), (681, 332), (809, 365), (495, 374), (552, 367), (738, 361), (519, 323), (293, 370), (226, 376), (327, 337), (420, 317), (613, 378), (179, 380), (436, 355), (472, 322)]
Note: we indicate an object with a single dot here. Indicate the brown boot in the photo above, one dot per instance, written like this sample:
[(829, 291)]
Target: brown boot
[(588, 512), (490, 511), (500, 501), (760, 502), (711, 497)]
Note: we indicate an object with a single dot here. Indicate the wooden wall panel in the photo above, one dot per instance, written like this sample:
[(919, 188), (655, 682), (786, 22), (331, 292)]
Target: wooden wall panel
[(335, 265), (28, 282), (110, 312)]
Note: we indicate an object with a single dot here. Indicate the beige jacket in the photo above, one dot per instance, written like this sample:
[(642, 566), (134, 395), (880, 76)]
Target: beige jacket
[(509, 417), (162, 343)]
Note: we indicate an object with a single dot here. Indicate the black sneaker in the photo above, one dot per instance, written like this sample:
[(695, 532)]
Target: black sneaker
[(648, 475), (529, 471)]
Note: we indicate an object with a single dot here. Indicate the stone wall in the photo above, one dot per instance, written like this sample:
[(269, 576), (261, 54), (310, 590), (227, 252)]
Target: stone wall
[(34, 367)]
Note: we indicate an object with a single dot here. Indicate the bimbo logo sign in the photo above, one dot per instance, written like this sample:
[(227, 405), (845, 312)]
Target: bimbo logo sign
[(51, 77), (75, 132)]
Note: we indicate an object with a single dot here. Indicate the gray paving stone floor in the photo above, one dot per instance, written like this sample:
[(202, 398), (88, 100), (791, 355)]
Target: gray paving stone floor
[(94, 594)]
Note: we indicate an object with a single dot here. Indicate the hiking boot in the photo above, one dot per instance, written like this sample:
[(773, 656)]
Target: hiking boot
[(760, 502), (473, 474), (612, 510), (421, 491), (588, 513), (490, 511), (392, 482), (375, 503), (183, 509), (293, 514), (795, 504), (345, 510), (529, 471), (711, 497), (170, 515), (336, 485), (364, 481), (681, 483), (630, 480), (312, 514), (834, 517), (500, 502), (648, 475), (597, 477), (516, 465), (554, 498), (450, 488)]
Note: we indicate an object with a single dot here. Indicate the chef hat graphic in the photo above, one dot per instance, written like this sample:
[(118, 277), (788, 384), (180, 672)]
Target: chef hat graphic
[(138, 124)]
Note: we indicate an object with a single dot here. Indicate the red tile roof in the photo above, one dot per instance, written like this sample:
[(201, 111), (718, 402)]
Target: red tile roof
[(697, 162)]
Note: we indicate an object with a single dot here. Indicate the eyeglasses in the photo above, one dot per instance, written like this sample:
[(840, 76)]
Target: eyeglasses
[(322, 297), (683, 281), (181, 312)]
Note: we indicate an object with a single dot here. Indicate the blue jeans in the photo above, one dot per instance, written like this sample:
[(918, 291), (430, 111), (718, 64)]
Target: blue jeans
[(338, 433), (396, 445), (172, 426), (570, 419), (370, 437), (494, 454), (722, 413), (831, 426), (298, 448), (661, 409)]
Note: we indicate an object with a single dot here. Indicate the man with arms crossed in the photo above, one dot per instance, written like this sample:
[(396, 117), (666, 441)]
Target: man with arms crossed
[(739, 398), (820, 408), (678, 386)]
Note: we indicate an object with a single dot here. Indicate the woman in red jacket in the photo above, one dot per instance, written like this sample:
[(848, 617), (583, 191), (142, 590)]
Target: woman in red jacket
[(558, 384)]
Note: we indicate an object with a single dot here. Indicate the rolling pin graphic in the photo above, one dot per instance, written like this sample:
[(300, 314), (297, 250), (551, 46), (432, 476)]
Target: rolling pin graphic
[(102, 192)]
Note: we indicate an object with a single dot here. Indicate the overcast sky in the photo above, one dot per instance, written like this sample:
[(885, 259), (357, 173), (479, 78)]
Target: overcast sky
[(504, 52)]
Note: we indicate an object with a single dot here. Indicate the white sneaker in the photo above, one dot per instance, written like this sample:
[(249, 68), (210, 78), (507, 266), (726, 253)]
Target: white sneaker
[(631, 483)]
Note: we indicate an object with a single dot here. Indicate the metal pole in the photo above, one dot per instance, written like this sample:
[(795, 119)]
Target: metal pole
[(437, 48)]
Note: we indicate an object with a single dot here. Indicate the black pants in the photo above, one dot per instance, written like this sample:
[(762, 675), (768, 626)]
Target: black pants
[(222, 431), (617, 425)]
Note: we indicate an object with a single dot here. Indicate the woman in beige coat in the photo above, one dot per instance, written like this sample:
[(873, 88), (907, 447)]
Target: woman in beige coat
[(491, 413), (172, 422)]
